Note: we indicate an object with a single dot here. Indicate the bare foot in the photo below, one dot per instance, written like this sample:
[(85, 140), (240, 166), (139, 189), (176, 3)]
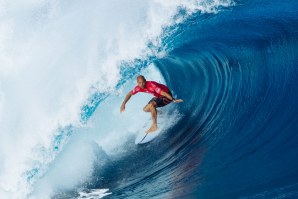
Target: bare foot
[(152, 129)]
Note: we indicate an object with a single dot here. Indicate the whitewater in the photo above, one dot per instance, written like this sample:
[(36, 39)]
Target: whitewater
[(66, 66)]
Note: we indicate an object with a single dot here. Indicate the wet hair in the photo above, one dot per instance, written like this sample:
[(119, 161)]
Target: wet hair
[(142, 77)]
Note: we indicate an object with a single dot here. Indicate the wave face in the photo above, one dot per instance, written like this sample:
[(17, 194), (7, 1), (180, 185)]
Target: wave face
[(233, 63)]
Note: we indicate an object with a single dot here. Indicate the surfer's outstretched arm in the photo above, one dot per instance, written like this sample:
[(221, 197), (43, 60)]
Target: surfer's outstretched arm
[(122, 108), (167, 95)]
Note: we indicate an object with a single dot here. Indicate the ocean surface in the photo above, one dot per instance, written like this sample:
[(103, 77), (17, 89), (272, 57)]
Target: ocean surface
[(66, 66)]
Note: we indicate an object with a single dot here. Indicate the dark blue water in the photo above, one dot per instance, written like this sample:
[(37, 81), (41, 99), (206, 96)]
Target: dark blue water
[(238, 136)]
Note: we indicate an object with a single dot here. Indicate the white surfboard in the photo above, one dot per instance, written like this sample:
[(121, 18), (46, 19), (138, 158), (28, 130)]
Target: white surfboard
[(143, 137)]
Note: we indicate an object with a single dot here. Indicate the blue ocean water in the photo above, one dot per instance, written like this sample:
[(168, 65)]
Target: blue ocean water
[(236, 133), (237, 138)]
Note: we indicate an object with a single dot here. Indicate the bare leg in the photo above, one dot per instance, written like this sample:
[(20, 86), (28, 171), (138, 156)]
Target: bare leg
[(151, 108), (147, 108)]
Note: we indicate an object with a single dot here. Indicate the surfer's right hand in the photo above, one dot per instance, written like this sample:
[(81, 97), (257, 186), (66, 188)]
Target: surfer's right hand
[(122, 108), (177, 100)]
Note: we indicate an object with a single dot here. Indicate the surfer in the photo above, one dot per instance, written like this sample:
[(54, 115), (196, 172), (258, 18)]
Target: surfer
[(162, 97)]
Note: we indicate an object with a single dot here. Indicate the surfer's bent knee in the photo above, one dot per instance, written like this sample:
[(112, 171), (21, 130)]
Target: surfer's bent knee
[(153, 104), (149, 106), (145, 108)]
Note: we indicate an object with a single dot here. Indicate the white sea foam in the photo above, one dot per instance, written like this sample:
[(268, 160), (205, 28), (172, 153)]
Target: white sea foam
[(51, 53), (94, 193)]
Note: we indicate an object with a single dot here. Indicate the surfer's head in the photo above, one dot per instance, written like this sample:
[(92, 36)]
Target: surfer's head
[(141, 81)]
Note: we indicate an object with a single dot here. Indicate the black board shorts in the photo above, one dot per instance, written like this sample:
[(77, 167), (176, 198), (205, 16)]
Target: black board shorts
[(161, 101)]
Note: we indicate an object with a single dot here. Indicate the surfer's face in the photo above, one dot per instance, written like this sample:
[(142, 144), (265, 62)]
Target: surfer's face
[(141, 82)]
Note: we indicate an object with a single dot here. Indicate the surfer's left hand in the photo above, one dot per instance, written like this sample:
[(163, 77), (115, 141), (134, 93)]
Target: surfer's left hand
[(122, 108)]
